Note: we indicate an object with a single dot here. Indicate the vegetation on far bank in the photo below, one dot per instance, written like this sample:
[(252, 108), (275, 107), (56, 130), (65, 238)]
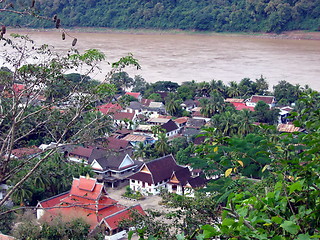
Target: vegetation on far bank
[(218, 16)]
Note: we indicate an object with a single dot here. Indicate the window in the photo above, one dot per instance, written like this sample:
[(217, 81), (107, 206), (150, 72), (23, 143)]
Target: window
[(132, 181)]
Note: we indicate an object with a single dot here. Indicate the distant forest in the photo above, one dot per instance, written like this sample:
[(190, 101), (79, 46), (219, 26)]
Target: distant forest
[(200, 15)]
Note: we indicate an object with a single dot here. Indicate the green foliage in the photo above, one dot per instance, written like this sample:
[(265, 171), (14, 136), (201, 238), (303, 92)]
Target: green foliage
[(57, 228), (254, 16), (52, 178)]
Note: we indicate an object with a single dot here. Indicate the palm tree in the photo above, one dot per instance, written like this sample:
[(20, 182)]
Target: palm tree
[(140, 151), (245, 122), (233, 90), (21, 196), (162, 145)]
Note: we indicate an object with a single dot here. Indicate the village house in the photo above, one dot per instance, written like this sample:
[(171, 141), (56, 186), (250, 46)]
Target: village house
[(89, 200), (113, 168), (124, 119), (164, 173), (181, 122), (136, 95), (171, 128), (252, 102)]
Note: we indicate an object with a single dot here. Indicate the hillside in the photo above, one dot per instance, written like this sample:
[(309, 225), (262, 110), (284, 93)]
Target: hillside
[(201, 15)]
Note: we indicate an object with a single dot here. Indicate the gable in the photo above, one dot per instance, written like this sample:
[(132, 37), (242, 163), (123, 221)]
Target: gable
[(87, 184), (174, 179), (126, 162), (96, 165), (145, 169)]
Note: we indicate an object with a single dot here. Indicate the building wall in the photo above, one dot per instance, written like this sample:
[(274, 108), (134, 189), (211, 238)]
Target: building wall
[(146, 188)]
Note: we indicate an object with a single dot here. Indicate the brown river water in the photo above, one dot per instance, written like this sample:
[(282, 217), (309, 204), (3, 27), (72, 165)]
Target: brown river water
[(200, 57)]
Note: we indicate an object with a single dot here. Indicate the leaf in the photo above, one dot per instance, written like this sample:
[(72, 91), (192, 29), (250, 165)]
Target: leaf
[(296, 186), (209, 231), (215, 149), (240, 162), (290, 227), (180, 237), (228, 172), (277, 219), (265, 168), (303, 237), (227, 222)]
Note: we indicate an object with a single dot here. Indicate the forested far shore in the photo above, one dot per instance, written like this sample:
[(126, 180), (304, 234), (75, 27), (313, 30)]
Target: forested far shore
[(218, 16)]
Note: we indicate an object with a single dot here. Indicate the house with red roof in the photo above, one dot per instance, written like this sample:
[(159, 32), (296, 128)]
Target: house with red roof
[(89, 200), (109, 108), (136, 95), (240, 106), (163, 173), (252, 102)]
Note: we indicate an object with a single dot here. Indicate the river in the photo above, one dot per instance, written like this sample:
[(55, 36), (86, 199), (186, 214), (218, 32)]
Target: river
[(200, 57)]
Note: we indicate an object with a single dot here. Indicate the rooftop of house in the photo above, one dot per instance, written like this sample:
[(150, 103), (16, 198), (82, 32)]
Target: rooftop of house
[(115, 161), (234, 100), (109, 108), (25, 152), (87, 198), (170, 126), (135, 105), (116, 144), (123, 115), (157, 170), (195, 123), (266, 99), (289, 128), (156, 105), (181, 120), (240, 106), (82, 151), (158, 120), (135, 138), (146, 102), (133, 94)]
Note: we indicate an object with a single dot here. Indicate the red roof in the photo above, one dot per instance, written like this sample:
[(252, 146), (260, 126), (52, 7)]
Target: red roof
[(86, 200), (113, 220), (78, 185), (181, 120), (133, 94), (123, 115), (109, 108), (240, 106)]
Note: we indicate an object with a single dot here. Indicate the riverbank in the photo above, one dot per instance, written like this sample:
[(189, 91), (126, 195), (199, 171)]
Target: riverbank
[(295, 35)]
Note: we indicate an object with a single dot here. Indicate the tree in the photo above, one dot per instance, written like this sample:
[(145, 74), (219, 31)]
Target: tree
[(162, 146), (286, 93), (262, 86), (234, 90), (213, 105), (122, 81), (264, 114)]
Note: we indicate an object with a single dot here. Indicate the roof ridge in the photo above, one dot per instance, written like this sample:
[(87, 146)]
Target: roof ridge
[(123, 210), (53, 197)]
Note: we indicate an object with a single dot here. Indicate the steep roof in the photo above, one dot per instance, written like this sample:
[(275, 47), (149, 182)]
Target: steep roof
[(88, 199), (87, 188), (82, 151), (196, 182), (196, 123), (135, 138), (234, 100), (159, 169), (158, 120), (182, 175), (266, 99), (114, 161), (170, 126)]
